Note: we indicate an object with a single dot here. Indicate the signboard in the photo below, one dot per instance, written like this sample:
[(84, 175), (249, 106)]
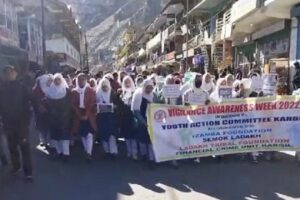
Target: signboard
[(225, 92), (197, 98), (270, 84), (171, 91), (237, 126)]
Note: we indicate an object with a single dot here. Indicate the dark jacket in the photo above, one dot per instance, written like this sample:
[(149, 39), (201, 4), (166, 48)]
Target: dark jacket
[(15, 104)]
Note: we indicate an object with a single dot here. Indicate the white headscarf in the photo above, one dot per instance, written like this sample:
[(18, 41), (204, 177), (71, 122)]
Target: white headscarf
[(227, 77), (140, 94), (101, 96), (60, 91), (215, 94), (127, 93), (95, 83), (81, 91), (43, 81), (208, 87), (194, 88)]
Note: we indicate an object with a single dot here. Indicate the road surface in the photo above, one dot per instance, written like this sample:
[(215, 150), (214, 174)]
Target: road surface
[(123, 179)]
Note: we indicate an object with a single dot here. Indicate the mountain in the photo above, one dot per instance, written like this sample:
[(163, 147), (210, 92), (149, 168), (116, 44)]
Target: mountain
[(105, 21)]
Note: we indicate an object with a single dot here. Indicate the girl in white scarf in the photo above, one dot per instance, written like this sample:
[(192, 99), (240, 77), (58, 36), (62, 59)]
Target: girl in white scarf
[(141, 98), (207, 83), (127, 119), (128, 89), (45, 82), (196, 89), (106, 120), (58, 88), (215, 97), (59, 109)]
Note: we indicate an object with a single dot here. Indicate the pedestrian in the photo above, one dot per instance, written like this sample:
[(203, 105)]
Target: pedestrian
[(170, 80), (106, 117), (115, 82), (83, 100), (127, 122), (141, 99), (15, 105), (59, 111), (40, 92), (215, 96), (93, 83), (207, 83), (196, 95)]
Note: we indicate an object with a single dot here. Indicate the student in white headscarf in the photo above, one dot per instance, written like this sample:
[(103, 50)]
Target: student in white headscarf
[(229, 80), (141, 98), (170, 80), (59, 110), (93, 83), (139, 81), (196, 95), (106, 118), (214, 96), (208, 83), (126, 117), (83, 104), (40, 91)]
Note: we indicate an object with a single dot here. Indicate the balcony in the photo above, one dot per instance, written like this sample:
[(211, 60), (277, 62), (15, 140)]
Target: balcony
[(154, 42), (242, 8)]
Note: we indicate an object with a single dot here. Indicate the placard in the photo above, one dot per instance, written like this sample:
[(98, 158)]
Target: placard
[(171, 91)]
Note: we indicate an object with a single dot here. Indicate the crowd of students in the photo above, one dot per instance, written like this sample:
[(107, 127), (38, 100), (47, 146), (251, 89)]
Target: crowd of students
[(100, 110)]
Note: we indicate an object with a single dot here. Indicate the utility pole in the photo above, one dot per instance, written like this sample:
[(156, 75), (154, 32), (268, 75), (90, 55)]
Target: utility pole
[(43, 35), (86, 52), (187, 34)]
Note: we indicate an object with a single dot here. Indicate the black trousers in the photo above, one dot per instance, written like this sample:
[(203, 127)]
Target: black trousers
[(18, 139)]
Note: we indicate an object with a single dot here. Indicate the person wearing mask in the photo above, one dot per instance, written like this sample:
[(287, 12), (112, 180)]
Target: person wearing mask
[(83, 104), (127, 122), (59, 111), (106, 118), (207, 83), (15, 102), (140, 101), (40, 92)]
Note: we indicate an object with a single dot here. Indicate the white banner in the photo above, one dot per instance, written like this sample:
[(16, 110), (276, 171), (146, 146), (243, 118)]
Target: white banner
[(235, 126)]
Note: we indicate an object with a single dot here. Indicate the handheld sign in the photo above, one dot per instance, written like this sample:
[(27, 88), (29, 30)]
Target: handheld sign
[(171, 91), (197, 98), (269, 84), (256, 84), (225, 92), (104, 108)]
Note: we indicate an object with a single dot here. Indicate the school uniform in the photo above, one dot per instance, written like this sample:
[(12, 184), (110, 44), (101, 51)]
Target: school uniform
[(83, 105), (139, 106), (126, 118), (59, 110), (106, 118)]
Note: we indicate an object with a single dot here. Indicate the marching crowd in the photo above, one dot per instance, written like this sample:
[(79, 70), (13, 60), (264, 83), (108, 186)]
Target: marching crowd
[(100, 110)]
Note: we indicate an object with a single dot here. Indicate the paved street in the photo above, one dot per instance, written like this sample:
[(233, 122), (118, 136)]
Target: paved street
[(123, 179)]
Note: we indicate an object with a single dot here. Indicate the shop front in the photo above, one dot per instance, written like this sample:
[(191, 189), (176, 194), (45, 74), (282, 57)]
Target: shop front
[(273, 54)]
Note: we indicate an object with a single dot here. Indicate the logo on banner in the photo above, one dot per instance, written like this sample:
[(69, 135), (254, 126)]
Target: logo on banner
[(160, 115)]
